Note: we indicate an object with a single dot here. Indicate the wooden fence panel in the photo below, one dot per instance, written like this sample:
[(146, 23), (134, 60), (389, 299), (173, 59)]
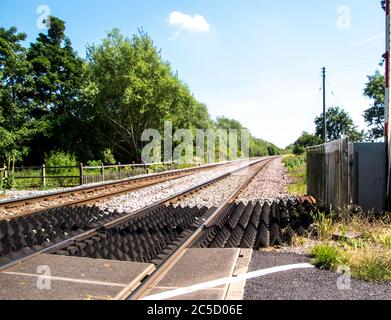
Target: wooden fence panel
[(328, 173)]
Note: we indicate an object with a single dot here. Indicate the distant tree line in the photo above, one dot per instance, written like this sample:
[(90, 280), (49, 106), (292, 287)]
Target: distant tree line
[(93, 109)]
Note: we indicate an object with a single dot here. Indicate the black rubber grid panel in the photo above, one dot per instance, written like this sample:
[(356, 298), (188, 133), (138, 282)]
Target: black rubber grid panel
[(148, 239), (259, 226)]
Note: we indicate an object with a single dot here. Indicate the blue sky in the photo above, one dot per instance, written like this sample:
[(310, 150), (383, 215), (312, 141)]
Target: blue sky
[(258, 61)]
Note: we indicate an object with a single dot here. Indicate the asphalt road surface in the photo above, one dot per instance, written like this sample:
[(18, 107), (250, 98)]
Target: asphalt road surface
[(306, 284)]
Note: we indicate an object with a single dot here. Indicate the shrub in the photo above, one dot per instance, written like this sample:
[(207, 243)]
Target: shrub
[(61, 159), (108, 157), (94, 163), (295, 164), (306, 140), (7, 183)]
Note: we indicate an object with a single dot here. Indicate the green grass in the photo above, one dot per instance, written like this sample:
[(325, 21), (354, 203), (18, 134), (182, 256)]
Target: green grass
[(385, 240), (30, 178), (298, 189), (364, 245), (327, 257), (324, 225), (370, 264), (368, 256), (24, 183), (293, 163), (296, 166)]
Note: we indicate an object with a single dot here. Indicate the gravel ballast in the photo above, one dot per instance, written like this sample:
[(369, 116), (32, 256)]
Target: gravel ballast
[(138, 199), (21, 194), (271, 184), (305, 284), (215, 195)]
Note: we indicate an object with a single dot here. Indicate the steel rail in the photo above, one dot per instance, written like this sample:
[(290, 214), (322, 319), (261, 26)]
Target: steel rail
[(170, 262), (136, 214), (128, 185)]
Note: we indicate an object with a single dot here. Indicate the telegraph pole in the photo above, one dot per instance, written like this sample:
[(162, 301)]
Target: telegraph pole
[(324, 104), (387, 105)]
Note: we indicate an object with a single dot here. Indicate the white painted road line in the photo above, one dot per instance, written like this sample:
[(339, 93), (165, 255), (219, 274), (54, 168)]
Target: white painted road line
[(99, 283), (224, 281)]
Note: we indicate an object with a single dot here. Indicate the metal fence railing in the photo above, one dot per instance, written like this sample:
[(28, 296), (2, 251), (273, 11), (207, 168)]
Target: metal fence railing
[(66, 176)]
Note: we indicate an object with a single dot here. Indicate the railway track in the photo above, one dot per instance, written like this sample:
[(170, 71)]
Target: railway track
[(92, 194), (172, 259), (48, 231), (158, 234), (232, 225)]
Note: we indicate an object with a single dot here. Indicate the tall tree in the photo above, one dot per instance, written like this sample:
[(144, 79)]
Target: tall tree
[(57, 72), (130, 89), (338, 123), (374, 116), (16, 126)]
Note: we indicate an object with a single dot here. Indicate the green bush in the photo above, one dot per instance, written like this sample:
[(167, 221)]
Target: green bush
[(306, 140), (294, 163), (94, 163), (60, 159), (108, 157), (7, 183)]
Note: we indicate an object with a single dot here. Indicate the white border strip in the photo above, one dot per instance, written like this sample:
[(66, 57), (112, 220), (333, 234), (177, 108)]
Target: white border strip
[(224, 281)]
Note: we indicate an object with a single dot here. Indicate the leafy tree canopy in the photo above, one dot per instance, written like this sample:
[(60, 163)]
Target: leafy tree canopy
[(306, 140), (94, 109), (338, 123), (374, 116), (16, 126)]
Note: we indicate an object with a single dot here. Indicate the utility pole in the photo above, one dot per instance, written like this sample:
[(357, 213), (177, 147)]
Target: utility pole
[(387, 105), (324, 105)]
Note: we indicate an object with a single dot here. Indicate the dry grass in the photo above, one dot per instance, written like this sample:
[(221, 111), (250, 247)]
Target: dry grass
[(324, 225), (385, 240), (370, 264), (367, 254)]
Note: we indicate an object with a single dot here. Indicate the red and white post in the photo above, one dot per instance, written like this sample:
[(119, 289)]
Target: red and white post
[(387, 103)]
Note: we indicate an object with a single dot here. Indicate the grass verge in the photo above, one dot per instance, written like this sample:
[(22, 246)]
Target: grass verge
[(367, 254), (296, 166)]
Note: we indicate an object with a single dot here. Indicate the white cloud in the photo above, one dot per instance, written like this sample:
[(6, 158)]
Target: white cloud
[(195, 23), (174, 36)]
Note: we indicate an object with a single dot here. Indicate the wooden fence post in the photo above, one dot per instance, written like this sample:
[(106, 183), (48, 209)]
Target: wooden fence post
[(43, 176), (102, 171), (145, 167), (81, 174), (119, 170)]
